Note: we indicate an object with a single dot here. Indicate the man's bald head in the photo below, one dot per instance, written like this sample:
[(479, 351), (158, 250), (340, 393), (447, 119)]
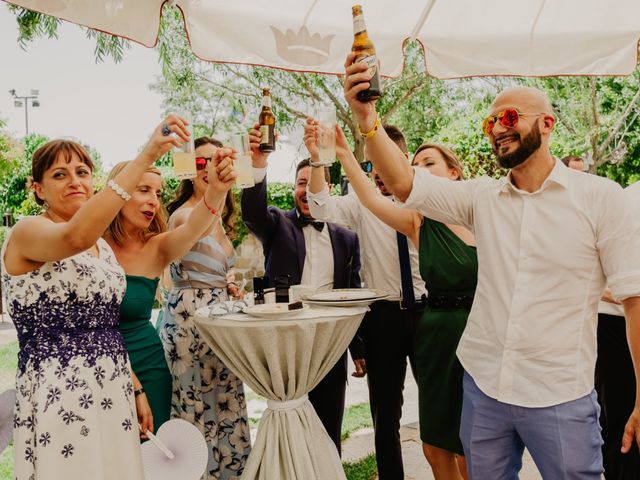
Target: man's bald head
[(524, 99)]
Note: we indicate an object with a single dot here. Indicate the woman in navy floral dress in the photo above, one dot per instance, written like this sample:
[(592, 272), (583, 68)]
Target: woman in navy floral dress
[(75, 413)]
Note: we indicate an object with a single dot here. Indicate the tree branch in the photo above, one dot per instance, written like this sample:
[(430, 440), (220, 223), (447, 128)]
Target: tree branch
[(621, 121), (407, 95)]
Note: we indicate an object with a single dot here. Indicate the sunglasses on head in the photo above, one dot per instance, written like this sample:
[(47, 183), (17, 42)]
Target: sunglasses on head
[(366, 166), (201, 162), (508, 118)]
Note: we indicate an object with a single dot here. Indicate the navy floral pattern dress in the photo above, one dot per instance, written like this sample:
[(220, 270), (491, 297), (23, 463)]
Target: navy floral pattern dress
[(205, 392), (75, 411)]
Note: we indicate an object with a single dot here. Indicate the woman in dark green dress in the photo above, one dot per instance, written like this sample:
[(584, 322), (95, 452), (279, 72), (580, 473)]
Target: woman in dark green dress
[(448, 265), (143, 246), (145, 349)]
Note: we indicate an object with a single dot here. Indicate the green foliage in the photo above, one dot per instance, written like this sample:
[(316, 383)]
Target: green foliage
[(14, 194), (33, 25), (3, 234), (365, 469), (6, 463)]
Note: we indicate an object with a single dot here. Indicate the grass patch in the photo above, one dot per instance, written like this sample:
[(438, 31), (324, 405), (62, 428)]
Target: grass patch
[(356, 417), (8, 366), (365, 469), (6, 463)]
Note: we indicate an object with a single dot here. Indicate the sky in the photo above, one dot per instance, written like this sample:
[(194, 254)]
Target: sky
[(106, 105)]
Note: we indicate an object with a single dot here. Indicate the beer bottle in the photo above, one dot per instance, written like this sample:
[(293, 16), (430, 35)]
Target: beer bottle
[(365, 51), (267, 123)]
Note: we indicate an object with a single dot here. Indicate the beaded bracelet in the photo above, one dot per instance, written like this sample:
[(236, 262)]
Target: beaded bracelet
[(212, 210), (121, 192)]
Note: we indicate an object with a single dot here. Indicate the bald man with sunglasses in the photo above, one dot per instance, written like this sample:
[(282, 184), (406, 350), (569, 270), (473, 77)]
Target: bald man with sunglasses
[(548, 240)]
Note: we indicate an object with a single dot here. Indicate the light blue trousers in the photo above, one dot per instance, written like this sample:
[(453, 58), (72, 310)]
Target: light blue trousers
[(564, 440)]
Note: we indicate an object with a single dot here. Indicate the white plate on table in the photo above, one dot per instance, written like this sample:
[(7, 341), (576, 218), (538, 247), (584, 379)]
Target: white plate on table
[(345, 297), (274, 311)]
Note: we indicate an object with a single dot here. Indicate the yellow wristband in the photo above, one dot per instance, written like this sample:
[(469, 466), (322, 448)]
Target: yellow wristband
[(371, 132)]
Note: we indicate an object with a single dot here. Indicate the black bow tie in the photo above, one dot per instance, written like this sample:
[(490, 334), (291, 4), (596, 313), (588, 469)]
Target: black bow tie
[(304, 221)]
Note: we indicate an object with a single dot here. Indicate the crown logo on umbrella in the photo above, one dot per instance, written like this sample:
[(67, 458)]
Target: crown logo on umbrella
[(302, 48)]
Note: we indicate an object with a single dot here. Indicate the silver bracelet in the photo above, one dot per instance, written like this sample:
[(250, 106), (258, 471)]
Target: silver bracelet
[(316, 164), (122, 193)]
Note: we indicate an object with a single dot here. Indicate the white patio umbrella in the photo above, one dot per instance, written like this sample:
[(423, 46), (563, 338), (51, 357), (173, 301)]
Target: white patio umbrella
[(461, 37)]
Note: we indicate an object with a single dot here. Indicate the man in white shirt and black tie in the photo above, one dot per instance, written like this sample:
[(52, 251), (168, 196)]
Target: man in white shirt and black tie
[(548, 239), (388, 330)]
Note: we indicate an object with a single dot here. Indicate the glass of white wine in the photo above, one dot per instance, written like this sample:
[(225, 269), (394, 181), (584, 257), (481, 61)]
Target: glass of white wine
[(325, 114), (243, 164), (184, 157)]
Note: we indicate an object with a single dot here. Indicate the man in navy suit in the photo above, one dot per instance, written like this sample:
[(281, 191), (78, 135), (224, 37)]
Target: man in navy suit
[(310, 253)]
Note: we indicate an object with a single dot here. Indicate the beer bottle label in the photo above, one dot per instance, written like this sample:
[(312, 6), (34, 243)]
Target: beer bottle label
[(264, 130), (371, 61)]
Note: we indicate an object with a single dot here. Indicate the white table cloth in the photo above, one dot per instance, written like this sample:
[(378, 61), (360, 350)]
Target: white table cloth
[(283, 360)]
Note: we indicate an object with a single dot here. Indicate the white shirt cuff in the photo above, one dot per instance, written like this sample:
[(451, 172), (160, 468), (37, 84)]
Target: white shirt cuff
[(259, 174)]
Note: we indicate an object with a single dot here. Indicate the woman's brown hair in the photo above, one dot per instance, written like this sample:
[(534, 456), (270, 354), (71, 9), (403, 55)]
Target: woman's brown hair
[(157, 225), (47, 154), (450, 158), (185, 191)]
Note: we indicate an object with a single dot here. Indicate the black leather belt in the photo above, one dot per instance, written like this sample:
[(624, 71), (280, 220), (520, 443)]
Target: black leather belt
[(420, 303), (449, 301)]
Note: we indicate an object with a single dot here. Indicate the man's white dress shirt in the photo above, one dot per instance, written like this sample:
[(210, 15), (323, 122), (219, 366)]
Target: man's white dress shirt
[(378, 242), (544, 258)]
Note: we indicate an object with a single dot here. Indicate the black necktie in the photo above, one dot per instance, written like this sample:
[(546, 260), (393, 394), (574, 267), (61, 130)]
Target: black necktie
[(304, 221), (408, 298)]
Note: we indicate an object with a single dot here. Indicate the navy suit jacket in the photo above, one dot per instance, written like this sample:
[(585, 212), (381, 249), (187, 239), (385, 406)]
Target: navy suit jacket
[(284, 247)]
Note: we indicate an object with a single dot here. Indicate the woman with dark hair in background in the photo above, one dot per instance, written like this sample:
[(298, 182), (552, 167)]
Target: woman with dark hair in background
[(139, 238), (205, 392)]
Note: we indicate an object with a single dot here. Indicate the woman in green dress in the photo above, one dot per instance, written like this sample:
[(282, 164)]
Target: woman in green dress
[(449, 267), (143, 246)]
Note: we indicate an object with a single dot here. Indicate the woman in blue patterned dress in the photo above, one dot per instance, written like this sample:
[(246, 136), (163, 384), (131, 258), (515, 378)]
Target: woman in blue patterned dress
[(75, 413), (205, 392)]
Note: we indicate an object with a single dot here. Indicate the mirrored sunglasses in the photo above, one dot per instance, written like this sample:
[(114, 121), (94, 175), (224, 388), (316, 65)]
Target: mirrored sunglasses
[(508, 118), (366, 166)]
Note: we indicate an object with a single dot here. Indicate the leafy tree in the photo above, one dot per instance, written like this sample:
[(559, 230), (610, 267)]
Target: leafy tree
[(597, 118)]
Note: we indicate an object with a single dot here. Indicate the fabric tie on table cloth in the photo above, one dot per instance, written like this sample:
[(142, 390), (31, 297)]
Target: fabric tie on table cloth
[(283, 360)]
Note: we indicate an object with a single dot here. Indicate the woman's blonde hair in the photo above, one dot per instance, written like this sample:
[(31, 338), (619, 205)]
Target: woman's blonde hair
[(158, 224), (450, 158)]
